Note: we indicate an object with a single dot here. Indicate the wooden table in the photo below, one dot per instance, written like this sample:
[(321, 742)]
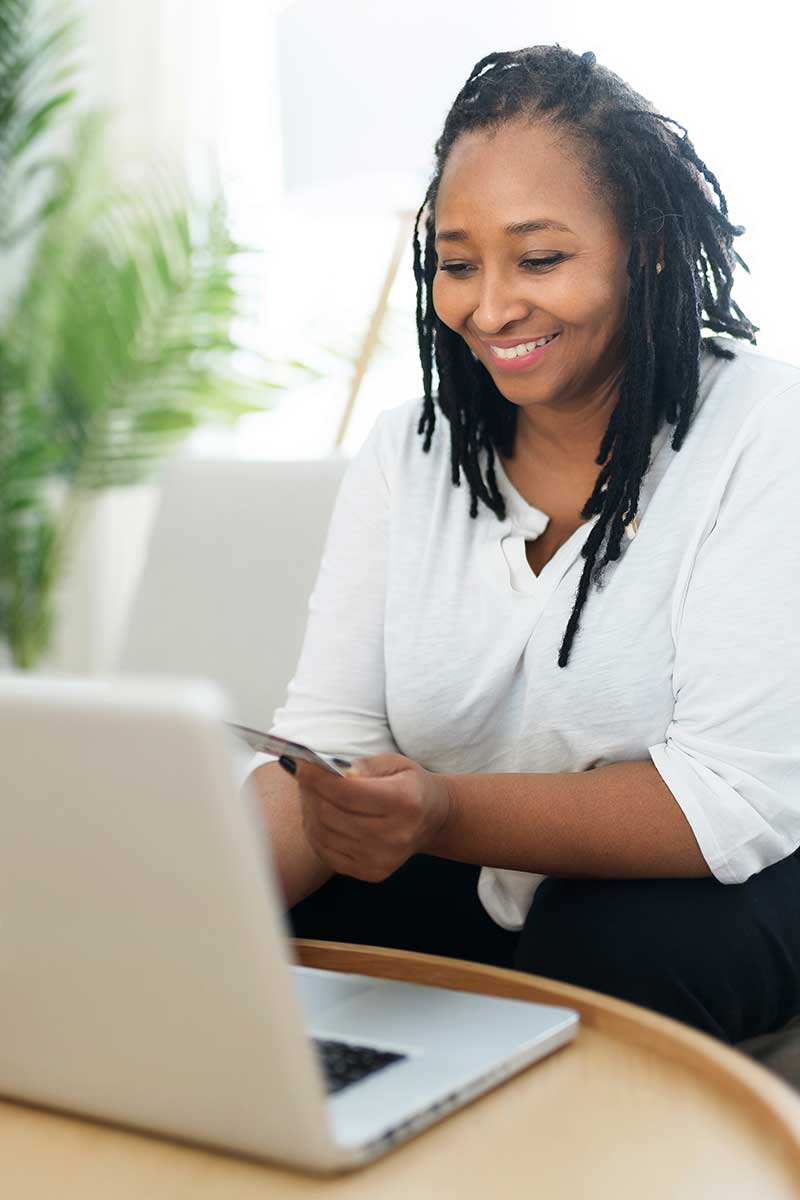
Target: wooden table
[(637, 1106)]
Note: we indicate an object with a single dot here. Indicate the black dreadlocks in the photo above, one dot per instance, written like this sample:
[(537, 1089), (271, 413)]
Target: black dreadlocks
[(635, 163)]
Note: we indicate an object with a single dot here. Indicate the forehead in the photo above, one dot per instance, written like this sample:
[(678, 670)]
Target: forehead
[(517, 172)]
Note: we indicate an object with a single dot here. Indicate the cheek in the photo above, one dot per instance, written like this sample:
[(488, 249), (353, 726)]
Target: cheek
[(589, 302), (608, 292), (439, 301), (606, 308)]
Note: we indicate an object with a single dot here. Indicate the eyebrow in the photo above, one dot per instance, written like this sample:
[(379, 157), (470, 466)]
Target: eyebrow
[(461, 235)]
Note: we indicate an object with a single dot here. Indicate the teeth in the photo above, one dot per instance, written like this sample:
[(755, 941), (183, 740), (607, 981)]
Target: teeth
[(525, 348)]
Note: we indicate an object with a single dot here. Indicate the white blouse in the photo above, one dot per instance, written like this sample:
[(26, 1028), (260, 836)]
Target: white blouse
[(428, 633)]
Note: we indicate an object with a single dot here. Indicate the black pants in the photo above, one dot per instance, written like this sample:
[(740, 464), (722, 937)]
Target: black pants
[(724, 958)]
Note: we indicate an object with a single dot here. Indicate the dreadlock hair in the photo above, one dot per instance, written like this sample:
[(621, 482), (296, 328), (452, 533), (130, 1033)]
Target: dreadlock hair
[(635, 163)]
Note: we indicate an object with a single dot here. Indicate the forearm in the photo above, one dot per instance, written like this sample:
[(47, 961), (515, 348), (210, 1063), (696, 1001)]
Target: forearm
[(300, 871), (618, 821)]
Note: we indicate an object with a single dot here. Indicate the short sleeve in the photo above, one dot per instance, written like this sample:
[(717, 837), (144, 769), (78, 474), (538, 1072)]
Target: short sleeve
[(731, 755), (336, 700), (248, 761)]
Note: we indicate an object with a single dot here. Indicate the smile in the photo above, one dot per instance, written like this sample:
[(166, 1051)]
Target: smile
[(512, 360)]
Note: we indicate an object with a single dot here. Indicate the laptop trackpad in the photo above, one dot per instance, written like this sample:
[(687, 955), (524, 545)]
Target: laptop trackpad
[(321, 990)]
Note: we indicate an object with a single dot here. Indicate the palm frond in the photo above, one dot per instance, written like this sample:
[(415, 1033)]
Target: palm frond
[(35, 61), (119, 330)]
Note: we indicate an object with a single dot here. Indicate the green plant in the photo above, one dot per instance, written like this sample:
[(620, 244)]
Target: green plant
[(118, 338)]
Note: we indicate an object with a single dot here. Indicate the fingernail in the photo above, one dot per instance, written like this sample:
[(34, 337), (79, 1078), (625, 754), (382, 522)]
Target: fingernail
[(288, 764)]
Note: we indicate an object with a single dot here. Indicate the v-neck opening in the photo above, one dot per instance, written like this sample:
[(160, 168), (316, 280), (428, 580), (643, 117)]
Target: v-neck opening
[(527, 523), (521, 576), (563, 547)]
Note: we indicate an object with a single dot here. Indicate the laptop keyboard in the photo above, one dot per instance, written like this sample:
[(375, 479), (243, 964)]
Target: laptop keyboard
[(345, 1063)]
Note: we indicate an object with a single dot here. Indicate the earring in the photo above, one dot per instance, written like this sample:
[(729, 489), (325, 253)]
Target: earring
[(659, 268)]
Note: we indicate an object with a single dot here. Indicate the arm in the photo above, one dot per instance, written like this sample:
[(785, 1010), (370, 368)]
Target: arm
[(336, 698), (618, 821), (299, 870)]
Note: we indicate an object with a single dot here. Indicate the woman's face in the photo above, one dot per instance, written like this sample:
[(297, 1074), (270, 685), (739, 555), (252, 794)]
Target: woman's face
[(489, 289)]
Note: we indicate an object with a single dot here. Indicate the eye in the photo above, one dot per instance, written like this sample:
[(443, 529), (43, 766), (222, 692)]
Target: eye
[(531, 263), (542, 262)]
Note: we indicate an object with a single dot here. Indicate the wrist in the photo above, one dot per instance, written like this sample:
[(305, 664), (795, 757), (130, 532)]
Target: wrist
[(446, 815)]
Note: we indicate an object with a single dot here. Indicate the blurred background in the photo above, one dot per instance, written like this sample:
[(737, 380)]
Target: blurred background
[(314, 124)]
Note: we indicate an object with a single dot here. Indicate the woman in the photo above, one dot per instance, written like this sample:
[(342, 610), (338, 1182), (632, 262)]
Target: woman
[(596, 659)]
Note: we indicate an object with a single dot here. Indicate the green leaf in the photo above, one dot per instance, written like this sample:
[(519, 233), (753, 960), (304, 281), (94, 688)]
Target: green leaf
[(164, 419), (121, 336), (39, 121)]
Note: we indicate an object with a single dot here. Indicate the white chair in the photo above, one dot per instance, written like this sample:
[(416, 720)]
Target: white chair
[(229, 567)]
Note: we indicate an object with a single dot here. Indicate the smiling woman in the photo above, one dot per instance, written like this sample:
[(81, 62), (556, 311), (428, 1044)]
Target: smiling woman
[(608, 176), (600, 811)]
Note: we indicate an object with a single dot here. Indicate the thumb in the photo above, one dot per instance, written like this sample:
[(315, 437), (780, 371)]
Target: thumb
[(377, 764)]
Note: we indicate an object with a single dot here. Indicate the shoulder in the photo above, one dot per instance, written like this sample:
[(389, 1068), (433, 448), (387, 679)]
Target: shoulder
[(752, 396), (750, 383), (400, 421), (399, 443), (749, 430)]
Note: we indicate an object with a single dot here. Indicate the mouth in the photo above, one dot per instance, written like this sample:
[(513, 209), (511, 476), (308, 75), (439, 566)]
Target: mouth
[(504, 361)]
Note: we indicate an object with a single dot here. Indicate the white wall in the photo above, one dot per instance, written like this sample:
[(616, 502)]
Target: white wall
[(368, 84)]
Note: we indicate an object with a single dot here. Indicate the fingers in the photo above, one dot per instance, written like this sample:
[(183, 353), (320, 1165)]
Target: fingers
[(331, 821), (325, 833), (342, 794), (367, 842), (347, 851), (339, 853)]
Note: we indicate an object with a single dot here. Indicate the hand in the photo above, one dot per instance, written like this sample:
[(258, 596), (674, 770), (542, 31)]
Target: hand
[(370, 823)]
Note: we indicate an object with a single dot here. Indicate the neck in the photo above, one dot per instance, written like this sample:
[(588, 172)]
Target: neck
[(567, 434)]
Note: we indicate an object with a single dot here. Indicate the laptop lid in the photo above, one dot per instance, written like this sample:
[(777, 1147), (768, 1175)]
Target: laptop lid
[(143, 946)]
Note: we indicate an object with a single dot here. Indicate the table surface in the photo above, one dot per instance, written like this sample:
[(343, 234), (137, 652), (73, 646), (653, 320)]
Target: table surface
[(637, 1105)]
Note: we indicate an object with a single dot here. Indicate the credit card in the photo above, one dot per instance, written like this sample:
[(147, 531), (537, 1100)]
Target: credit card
[(268, 743)]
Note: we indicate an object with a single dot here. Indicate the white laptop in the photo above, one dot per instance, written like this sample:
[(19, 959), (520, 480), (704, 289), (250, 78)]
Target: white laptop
[(146, 972)]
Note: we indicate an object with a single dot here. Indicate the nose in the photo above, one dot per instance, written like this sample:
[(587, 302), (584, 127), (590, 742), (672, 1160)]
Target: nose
[(499, 303)]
